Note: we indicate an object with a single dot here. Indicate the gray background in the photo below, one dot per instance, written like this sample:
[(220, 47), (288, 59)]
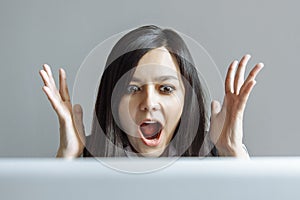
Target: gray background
[(62, 33)]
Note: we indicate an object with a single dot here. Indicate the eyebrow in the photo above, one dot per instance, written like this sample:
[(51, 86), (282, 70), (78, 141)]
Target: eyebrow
[(160, 78)]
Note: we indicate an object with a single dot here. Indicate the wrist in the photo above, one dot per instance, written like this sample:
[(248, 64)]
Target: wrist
[(69, 146), (67, 153), (237, 151)]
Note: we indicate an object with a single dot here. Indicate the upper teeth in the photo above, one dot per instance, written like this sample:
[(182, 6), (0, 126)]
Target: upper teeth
[(150, 122)]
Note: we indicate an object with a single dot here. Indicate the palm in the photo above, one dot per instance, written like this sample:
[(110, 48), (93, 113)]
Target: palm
[(71, 128), (226, 128)]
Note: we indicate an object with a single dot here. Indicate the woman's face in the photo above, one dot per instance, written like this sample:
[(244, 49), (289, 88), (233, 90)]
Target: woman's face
[(150, 110)]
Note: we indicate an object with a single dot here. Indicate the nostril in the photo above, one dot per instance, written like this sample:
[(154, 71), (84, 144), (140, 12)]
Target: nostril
[(150, 107)]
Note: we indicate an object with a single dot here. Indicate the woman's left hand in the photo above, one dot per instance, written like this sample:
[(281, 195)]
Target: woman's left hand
[(226, 125)]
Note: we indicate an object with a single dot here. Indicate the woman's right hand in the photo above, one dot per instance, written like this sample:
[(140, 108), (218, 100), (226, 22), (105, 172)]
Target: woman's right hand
[(72, 137)]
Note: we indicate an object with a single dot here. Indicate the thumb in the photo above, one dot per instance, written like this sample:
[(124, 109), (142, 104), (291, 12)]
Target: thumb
[(78, 119), (215, 107)]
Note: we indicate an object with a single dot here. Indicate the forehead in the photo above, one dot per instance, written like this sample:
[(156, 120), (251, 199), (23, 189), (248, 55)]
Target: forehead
[(159, 56), (157, 63)]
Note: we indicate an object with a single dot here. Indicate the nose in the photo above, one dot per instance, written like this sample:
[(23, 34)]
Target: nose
[(150, 99)]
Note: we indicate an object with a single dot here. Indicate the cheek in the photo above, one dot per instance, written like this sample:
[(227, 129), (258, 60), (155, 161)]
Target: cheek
[(127, 113), (175, 102), (173, 109), (124, 113)]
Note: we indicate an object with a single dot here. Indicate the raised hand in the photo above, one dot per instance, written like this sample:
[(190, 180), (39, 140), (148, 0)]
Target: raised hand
[(226, 127), (72, 138)]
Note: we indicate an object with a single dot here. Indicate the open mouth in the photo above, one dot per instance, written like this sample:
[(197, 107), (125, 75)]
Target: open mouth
[(150, 132)]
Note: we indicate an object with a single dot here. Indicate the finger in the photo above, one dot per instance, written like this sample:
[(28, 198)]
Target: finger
[(50, 76), (53, 100), (49, 85), (215, 107), (229, 77), (240, 73), (252, 75), (78, 118), (245, 94), (63, 88), (47, 69), (45, 77)]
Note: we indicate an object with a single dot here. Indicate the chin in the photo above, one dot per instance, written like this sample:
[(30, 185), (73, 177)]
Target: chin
[(152, 152)]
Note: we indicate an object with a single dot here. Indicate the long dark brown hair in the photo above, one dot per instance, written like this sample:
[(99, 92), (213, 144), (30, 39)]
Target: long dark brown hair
[(107, 139)]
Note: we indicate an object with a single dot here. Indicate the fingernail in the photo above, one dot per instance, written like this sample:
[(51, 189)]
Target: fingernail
[(261, 64)]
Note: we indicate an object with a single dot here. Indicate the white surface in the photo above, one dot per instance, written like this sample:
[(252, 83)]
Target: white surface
[(189, 178)]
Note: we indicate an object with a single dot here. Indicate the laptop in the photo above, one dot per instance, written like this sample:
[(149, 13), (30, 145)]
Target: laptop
[(150, 178)]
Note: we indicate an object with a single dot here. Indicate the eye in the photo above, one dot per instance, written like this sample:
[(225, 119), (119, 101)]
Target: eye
[(131, 89), (167, 89)]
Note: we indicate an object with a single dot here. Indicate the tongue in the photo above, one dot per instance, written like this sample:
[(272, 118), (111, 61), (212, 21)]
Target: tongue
[(149, 129)]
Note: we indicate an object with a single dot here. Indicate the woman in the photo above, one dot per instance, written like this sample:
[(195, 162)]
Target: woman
[(150, 102)]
